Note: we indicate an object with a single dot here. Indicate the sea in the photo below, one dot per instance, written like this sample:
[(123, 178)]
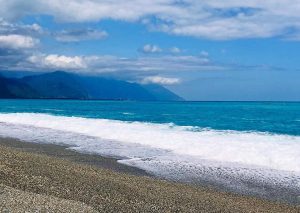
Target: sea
[(250, 148)]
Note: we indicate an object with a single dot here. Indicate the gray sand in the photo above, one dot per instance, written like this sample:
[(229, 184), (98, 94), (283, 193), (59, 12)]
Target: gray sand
[(13, 200), (109, 190)]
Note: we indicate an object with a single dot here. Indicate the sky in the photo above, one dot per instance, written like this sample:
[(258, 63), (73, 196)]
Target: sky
[(237, 50)]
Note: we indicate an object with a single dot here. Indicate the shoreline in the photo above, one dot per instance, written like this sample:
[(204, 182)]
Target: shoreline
[(132, 185), (62, 151)]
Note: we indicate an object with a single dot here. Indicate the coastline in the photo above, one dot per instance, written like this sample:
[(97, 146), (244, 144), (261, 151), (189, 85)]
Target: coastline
[(103, 184)]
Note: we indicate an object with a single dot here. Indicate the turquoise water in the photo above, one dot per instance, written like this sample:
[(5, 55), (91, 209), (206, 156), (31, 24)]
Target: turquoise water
[(272, 117)]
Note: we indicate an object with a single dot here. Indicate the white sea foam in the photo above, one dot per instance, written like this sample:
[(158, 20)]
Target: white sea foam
[(266, 165), (280, 152), (128, 113)]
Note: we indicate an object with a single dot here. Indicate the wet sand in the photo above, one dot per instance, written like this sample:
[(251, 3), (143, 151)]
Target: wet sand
[(52, 177)]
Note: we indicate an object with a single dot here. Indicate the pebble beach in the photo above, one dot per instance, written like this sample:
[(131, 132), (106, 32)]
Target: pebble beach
[(50, 178)]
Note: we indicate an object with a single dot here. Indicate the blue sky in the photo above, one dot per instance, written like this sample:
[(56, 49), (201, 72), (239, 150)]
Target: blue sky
[(202, 50)]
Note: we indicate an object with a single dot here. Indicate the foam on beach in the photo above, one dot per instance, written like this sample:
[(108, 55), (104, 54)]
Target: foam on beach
[(281, 152), (249, 162)]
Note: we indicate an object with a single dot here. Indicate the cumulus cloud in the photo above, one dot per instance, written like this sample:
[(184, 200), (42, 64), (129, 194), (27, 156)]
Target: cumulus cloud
[(175, 50), (57, 62), (211, 19), (150, 48), (80, 35), (17, 42), (160, 80), (18, 36)]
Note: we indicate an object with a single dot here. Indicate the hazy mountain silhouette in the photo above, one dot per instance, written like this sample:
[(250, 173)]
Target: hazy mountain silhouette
[(14, 88), (63, 85)]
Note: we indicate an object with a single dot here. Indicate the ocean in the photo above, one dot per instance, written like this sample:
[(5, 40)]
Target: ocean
[(245, 147)]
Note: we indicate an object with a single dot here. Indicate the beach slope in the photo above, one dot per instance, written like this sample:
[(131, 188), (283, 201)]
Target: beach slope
[(57, 175)]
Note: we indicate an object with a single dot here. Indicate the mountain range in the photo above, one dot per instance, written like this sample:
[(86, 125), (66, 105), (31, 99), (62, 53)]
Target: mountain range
[(64, 85)]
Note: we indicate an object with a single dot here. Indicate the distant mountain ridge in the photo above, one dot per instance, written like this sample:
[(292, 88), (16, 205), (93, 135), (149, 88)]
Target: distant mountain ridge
[(64, 85), (13, 88)]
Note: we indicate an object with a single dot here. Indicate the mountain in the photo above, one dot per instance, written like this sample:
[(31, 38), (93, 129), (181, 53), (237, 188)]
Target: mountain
[(13, 88), (63, 85), (102, 88), (161, 93), (58, 84)]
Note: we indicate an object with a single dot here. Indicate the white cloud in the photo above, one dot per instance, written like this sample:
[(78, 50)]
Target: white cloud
[(21, 29), (109, 64), (18, 36), (175, 50), (80, 34), (212, 19), (160, 80), (149, 64), (17, 41), (57, 62), (149, 48), (35, 27)]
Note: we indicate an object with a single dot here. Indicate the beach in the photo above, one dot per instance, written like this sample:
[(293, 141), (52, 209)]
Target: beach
[(149, 106), (41, 177)]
